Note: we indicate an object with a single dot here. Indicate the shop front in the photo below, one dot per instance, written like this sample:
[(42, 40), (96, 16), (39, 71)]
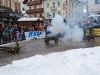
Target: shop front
[(9, 17)]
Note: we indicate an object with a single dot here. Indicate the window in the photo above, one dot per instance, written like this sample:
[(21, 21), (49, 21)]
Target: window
[(97, 1), (59, 4), (47, 14), (47, 5), (8, 3), (53, 14), (30, 15), (15, 5), (72, 14), (4, 2), (40, 6), (72, 4), (34, 7), (29, 7), (0, 2), (19, 6), (59, 12), (35, 15), (40, 15), (66, 1), (53, 5), (66, 12)]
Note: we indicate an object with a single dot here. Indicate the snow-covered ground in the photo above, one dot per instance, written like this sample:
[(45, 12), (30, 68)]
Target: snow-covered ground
[(84, 61)]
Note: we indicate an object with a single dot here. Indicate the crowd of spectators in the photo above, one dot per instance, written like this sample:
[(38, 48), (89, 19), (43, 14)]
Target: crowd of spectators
[(11, 33)]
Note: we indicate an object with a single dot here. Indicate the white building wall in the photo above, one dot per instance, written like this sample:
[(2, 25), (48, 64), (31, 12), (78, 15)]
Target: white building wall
[(75, 11), (48, 10), (92, 7)]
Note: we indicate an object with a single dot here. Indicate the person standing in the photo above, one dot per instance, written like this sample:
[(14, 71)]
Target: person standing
[(1, 33), (5, 35), (23, 34)]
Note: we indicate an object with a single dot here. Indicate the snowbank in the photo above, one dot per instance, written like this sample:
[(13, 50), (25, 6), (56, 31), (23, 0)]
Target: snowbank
[(73, 62)]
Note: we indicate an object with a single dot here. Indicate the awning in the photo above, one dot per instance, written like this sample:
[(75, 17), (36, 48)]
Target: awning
[(10, 14), (30, 19)]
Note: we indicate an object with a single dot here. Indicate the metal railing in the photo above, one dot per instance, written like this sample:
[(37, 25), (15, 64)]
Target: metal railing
[(53, 8)]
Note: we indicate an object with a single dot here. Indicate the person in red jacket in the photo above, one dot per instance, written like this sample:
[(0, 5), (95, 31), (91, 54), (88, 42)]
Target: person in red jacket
[(39, 29)]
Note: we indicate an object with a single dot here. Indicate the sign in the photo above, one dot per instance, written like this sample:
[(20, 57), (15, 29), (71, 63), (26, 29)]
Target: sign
[(14, 15), (35, 34)]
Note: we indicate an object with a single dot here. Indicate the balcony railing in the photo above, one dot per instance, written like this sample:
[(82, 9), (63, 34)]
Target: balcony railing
[(38, 10), (53, 8), (35, 2), (28, 11)]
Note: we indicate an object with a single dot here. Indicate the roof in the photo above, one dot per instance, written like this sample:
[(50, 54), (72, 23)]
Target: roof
[(30, 19)]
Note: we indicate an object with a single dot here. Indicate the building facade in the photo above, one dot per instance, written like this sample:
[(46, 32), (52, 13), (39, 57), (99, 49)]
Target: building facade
[(17, 5), (75, 11), (65, 9), (94, 7), (10, 11), (68, 9), (35, 8), (52, 7)]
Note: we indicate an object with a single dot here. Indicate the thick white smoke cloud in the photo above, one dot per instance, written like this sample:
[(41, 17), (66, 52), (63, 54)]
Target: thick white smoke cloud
[(57, 25), (71, 32)]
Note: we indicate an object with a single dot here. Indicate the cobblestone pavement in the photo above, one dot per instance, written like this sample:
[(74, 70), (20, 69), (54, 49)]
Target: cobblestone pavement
[(36, 47)]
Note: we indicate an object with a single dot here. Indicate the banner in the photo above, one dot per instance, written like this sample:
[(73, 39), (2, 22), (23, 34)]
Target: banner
[(96, 31), (35, 34)]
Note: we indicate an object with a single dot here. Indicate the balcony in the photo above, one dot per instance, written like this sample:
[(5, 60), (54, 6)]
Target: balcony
[(38, 2), (28, 11), (53, 8), (35, 2), (41, 10), (38, 10)]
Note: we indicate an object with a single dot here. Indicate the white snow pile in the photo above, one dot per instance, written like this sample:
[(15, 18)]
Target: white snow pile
[(72, 62)]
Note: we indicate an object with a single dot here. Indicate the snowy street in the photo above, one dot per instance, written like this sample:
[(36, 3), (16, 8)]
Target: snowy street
[(60, 60), (38, 47)]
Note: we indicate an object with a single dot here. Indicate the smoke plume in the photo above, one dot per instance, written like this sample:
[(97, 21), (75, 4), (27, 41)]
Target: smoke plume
[(70, 30), (70, 33)]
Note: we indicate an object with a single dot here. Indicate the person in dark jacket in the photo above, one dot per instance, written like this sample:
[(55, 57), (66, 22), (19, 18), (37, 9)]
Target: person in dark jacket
[(5, 35), (1, 33), (91, 35)]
